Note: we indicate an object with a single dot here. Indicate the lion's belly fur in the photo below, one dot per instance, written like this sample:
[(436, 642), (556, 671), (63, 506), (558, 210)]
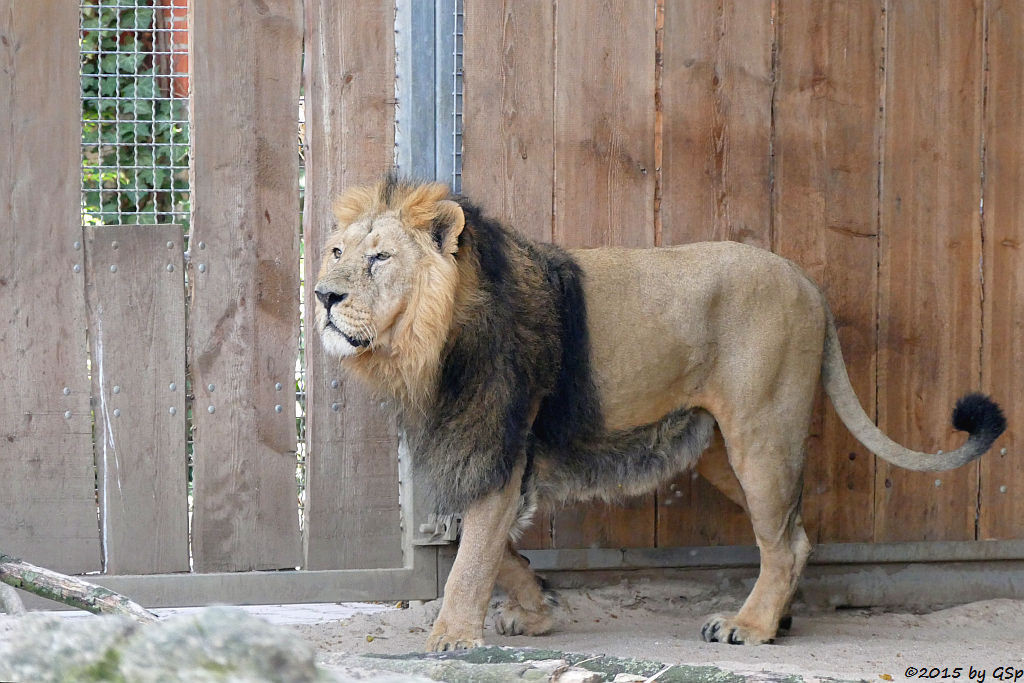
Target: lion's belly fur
[(677, 336)]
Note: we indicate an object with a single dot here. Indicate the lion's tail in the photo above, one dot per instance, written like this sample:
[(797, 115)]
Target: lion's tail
[(975, 414)]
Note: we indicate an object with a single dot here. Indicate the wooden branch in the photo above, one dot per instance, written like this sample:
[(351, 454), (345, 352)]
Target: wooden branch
[(69, 590)]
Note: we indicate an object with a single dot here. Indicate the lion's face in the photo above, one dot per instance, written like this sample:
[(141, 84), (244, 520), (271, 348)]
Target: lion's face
[(388, 276), (366, 277)]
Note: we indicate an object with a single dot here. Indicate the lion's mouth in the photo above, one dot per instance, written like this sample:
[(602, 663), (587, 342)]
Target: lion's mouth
[(354, 341)]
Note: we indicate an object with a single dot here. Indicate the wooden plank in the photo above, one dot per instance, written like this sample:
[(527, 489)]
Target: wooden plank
[(136, 296), (508, 106), (717, 98), (716, 184), (1002, 471), (48, 516), (930, 293), (245, 68), (352, 509), (604, 183), (825, 219)]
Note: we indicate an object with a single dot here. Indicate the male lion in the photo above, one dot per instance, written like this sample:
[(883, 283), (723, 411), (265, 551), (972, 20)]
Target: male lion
[(526, 374)]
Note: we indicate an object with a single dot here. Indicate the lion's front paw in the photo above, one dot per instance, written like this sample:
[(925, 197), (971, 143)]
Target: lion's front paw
[(722, 628), (514, 619), (445, 637)]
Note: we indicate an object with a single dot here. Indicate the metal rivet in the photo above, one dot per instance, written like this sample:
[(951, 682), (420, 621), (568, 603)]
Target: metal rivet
[(114, 245), (940, 451), (202, 245), (278, 387), (172, 386), (172, 410), (679, 494), (1002, 451), (113, 269), (202, 267), (77, 245), (672, 487), (210, 387), (278, 408), (938, 483), (668, 502), (67, 391), (334, 384), (170, 267), (77, 268), (117, 389), (117, 412), (67, 414), (1002, 489), (170, 245), (210, 410), (335, 407)]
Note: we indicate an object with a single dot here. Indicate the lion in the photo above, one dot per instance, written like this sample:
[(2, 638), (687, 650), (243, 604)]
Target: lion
[(528, 375)]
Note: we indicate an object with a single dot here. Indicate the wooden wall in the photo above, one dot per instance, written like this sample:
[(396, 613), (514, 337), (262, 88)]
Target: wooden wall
[(858, 139)]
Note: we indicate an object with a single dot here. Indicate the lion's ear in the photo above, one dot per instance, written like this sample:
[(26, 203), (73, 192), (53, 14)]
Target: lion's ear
[(447, 226)]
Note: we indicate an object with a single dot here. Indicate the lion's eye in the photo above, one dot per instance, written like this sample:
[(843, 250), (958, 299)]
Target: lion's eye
[(382, 256), (337, 252)]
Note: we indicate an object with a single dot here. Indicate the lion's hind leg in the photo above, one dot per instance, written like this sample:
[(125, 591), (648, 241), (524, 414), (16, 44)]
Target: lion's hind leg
[(770, 472), (527, 608)]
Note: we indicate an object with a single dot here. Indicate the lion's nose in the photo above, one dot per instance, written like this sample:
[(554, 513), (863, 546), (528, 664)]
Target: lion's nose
[(329, 298)]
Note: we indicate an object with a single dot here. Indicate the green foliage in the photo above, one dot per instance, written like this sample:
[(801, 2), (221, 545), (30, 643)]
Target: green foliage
[(135, 138)]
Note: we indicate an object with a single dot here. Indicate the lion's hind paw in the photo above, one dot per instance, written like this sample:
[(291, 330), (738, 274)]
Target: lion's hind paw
[(722, 628)]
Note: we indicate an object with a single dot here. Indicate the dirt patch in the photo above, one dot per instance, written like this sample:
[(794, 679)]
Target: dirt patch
[(660, 620)]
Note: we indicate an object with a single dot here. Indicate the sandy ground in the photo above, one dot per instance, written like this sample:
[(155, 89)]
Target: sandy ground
[(661, 619)]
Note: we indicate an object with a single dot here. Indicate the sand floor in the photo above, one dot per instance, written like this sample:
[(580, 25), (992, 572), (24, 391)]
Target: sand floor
[(661, 619)]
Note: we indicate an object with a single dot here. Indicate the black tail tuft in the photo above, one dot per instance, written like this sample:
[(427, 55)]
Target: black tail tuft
[(979, 416)]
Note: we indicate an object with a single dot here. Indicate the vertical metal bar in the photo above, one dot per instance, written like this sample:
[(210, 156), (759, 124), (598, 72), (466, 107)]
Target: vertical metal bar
[(415, 117), (444, 54)]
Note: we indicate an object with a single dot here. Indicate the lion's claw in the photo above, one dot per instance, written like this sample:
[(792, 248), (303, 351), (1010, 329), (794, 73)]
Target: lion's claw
[(514, 620), (720, 628), (443, 639)]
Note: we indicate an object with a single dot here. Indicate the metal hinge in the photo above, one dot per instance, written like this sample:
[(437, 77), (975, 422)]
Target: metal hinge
[(439, 530)]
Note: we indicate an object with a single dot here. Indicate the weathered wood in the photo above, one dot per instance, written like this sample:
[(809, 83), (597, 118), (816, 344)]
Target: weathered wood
[(827, 130), (136, 296), (1002, 361), (245, 70), (508, 107), (46, 466), (352, 510), (716, 96), (69, 590), (604, 182), (930, 292)]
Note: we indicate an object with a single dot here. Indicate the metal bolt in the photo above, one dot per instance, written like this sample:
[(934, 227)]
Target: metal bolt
[(210, 410), (117, 412), (334, 384), (170, 245), (202, 267), (67, 414), (202, 245), (679, 494), (210, 387), (117, 389), (170, 267), (668, 502), (113, 269), (173, 410), (77, 245), (938, 483), (1002, 451), (77, 268), (335, 407), (67, 391), (278, 408), (940, 451), (114, 245), (1002, 489), (672, 487), (172, 386), (278, 386)]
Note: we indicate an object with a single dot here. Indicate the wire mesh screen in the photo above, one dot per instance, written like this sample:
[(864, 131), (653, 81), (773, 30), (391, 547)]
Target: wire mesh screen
[(134, 112)]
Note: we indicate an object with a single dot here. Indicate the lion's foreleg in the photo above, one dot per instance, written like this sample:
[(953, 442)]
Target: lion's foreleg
[(485, 530), (527, 609)]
